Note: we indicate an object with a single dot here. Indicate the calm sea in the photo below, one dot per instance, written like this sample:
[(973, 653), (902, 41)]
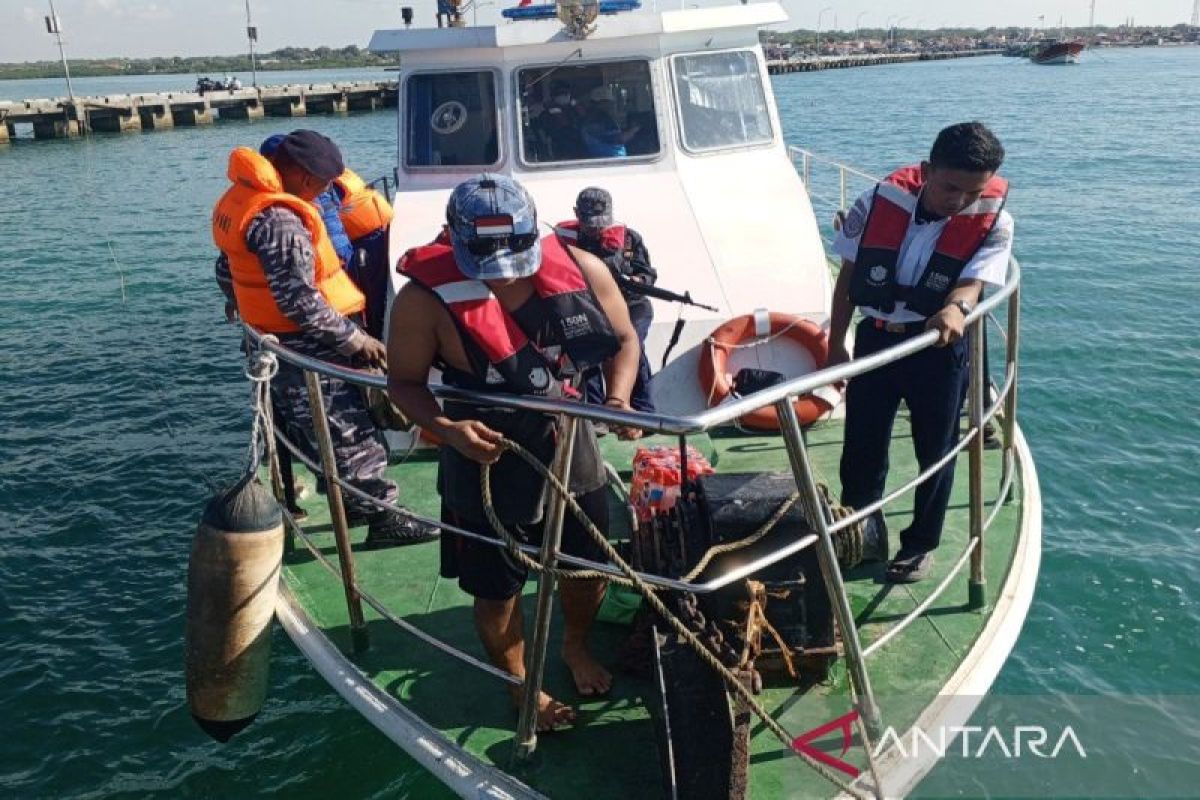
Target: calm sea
[(122, 403)]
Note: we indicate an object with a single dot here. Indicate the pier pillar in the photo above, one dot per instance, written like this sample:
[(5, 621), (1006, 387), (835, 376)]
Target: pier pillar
[(390, 98), (362, 102), (192, 115), (286, 107), (250, 110), (155, 118), (329, 104), (6, 132), (55, 128), (114, 120)]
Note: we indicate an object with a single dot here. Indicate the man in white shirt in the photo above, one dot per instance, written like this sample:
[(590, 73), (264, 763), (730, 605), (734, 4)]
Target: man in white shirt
[(916, 252)]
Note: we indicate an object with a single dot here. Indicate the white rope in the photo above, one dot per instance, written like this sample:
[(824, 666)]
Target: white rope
[(261, 367)]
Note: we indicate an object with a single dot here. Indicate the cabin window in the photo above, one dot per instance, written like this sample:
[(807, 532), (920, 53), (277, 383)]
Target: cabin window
[(587, 112), (722, 103), (451, 120)]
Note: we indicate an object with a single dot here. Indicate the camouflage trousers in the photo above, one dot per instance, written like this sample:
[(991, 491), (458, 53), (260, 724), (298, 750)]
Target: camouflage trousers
[(360, 456)]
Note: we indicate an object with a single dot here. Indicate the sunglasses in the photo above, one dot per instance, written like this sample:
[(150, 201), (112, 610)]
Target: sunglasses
[(513, 242)]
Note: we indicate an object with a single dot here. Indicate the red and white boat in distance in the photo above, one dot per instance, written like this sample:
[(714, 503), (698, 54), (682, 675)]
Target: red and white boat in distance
[(1057, 51)]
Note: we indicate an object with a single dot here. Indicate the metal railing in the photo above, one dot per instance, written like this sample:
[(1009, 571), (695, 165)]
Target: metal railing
[(815, 510)]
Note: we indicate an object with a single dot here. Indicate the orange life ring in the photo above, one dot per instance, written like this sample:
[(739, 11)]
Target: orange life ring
[(741, 330)]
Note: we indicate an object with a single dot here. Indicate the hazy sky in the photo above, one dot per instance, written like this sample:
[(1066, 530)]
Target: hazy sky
[(97, 28)]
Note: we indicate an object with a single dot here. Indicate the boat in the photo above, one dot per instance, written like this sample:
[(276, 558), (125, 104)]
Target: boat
[(1057, 51), (827, 652)]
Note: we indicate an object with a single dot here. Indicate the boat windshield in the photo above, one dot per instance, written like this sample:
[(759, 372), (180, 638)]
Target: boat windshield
[(587, 112), (721, 100), (451, 120)]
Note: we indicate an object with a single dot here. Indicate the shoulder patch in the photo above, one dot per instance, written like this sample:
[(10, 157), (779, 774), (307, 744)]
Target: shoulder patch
[(999, 236), (855, 221)]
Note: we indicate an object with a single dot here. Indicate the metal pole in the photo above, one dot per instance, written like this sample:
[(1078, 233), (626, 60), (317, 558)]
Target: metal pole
[(810, 501), (252, 35), (80, 111), (1009, 422), (535, 656), (977, 588), (842, 178), (337, 512)]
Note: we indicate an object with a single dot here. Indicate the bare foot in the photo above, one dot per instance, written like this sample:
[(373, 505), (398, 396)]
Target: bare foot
[(591, 678), (551, 714)]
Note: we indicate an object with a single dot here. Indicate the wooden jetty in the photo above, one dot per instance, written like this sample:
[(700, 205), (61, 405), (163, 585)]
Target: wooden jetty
[(814, 63), (58, 118)]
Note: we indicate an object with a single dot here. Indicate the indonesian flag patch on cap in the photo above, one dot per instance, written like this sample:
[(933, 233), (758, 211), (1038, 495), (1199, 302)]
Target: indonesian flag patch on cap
[(494, 225)]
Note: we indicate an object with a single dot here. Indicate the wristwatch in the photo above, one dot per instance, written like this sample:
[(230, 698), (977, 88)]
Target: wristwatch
[(963, 306)]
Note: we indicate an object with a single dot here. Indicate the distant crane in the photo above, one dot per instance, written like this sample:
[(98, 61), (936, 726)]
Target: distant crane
[(1196, 14)]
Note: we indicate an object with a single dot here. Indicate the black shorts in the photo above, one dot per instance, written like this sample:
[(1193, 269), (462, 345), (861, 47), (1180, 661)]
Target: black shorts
[(489, 572)]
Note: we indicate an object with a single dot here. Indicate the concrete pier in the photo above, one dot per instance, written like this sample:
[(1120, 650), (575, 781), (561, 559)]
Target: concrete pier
[(113, 115), (58, 118), (251, 110), (815, 63), (155, 118), (60, 128)]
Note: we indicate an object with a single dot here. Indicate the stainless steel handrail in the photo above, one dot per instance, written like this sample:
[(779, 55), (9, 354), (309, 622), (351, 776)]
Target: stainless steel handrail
[(659, 581), (657, 423)]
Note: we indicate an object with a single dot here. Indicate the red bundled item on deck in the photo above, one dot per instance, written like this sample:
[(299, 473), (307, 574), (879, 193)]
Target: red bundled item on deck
[(656, 483)]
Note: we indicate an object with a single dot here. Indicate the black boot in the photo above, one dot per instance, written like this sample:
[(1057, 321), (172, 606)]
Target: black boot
[(386, 529)]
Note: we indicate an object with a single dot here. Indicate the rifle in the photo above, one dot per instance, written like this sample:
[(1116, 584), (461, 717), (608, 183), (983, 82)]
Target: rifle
[(647, 290)]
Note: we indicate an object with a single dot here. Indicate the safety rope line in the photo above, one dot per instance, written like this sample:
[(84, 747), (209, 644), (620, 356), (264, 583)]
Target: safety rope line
[(631, 577), (261, 367), (757, 341)]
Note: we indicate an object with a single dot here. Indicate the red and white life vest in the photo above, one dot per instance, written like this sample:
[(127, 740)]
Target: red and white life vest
[(499, 349), (612, 238), (895, 200)]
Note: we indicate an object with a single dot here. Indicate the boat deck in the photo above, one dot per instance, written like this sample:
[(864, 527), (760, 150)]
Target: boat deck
[(613, 746)]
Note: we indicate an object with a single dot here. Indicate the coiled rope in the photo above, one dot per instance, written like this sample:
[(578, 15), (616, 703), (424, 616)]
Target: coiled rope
[(261, 367), (631, 579)]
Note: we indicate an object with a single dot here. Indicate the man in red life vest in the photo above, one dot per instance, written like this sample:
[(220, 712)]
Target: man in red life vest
[(595, 230), (498, 310), (916, 252)]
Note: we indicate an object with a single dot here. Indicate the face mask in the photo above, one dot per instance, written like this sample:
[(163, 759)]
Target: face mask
[(562, 99)]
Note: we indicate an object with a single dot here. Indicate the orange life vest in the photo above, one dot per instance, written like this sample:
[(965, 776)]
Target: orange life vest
[(874, 284), (499, 349), (256, 186), (363, 210)]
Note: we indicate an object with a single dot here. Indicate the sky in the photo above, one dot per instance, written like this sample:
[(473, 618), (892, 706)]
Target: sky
[(138, 28)]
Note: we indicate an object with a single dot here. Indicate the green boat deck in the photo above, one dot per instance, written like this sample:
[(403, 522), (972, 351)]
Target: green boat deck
[(611, 751)]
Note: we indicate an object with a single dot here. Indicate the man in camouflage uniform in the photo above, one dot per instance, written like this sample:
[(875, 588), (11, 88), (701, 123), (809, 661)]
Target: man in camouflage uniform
[(290, 261)]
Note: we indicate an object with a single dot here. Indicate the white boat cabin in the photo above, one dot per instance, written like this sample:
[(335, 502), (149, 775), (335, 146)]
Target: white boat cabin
[(670, 111)]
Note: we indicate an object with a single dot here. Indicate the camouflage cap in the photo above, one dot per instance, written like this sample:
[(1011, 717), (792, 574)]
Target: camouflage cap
[(493, 228), (593, 208)]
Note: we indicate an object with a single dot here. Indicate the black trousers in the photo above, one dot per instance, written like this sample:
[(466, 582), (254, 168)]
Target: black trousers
[(641, 315), (933, 384)]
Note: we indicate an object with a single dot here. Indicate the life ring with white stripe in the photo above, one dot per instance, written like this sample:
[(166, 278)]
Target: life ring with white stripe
[(746, 331)]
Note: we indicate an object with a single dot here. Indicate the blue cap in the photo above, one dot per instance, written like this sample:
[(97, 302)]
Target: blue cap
[(271, 144), (494, 211)]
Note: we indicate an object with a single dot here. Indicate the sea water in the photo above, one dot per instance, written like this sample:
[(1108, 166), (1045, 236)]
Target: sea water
[(122, 404)]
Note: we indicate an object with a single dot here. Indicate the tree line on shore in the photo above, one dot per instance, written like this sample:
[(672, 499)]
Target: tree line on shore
[(286, 58), (802, 35)]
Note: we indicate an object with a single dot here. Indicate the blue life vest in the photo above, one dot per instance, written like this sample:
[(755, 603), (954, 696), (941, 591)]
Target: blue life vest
[(330, 205)]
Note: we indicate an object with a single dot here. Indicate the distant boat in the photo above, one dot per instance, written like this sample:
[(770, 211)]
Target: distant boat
[(1057, 51)]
